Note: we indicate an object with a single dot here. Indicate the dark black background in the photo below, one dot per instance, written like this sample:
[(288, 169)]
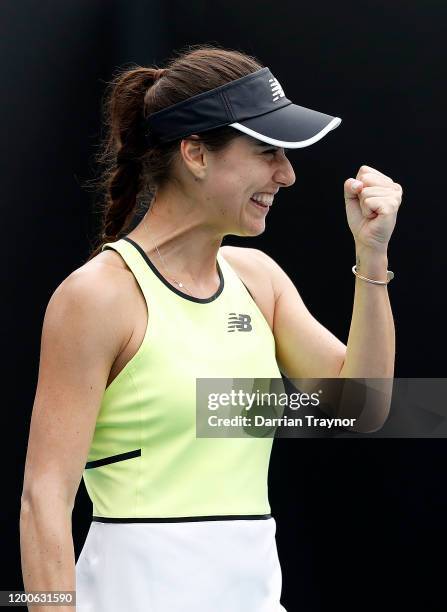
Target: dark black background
[(359, 521)]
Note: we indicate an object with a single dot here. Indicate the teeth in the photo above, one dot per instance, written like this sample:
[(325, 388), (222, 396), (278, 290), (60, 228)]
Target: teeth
[(263, 198)]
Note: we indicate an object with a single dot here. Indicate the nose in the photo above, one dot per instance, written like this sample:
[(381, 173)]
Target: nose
[(284, 174)]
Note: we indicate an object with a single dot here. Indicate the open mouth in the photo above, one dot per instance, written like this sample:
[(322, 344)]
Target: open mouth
[(259, 204)]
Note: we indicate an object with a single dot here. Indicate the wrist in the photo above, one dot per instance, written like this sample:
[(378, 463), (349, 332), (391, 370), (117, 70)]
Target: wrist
[(371, 263), (371, 251)]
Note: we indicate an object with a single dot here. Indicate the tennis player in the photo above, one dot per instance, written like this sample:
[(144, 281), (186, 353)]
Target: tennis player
[(183, 523)]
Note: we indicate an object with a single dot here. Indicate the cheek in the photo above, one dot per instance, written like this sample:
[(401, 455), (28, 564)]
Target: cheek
[(231, 181), (229, 184)]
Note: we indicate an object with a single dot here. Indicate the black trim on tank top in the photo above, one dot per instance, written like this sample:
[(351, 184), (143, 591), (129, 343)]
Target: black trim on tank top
[(182, 519), (171, 287), (113, 459)]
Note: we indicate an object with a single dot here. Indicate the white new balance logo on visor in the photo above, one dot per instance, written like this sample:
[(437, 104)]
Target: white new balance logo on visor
[(277, 90)]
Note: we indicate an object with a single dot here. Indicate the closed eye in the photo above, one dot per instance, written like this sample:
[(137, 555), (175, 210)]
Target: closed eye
[(270, 151)]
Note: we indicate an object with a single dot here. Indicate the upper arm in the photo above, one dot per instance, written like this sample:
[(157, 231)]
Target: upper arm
[(304, 347), (81, 337)]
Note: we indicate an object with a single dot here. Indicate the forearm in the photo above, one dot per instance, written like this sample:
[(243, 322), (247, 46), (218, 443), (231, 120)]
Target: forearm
[(47, 552), (370, 351)]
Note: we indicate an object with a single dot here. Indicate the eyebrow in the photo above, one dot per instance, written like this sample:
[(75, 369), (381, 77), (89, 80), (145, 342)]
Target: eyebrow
[(266, 144)]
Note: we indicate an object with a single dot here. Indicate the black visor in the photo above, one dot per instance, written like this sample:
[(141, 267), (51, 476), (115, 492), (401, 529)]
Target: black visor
[(254, 104)]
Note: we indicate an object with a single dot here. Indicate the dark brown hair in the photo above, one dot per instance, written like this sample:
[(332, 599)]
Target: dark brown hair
[(132, 171)]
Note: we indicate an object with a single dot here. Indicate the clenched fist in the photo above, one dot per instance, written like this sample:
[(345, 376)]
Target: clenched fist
[(372, 202)]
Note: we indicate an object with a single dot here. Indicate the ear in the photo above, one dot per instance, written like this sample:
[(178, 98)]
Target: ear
[(194, 155)]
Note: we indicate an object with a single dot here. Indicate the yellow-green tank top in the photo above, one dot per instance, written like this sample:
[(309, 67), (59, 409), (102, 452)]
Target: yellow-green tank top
[(145, 460)]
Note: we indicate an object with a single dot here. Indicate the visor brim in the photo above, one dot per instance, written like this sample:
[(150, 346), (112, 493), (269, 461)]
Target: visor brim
[(290, 127)]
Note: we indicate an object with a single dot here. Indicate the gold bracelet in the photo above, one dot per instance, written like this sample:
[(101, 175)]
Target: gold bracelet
[(389, 276)]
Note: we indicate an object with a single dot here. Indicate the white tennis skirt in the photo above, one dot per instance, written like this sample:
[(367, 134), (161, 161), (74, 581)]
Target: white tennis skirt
[(197, 566)]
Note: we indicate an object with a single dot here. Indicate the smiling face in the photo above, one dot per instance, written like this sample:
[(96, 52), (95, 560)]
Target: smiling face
[(228, 179)]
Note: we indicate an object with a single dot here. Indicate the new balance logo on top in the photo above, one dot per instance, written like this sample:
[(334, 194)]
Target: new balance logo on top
[(277, 90), (239, 322)]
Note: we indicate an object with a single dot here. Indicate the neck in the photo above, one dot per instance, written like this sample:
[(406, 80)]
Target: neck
[(187, 249)]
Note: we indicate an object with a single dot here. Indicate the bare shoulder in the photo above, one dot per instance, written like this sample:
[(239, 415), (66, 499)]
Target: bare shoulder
[(108, 257), (103, 288), (106, 276), (243, 256), (254, 262)]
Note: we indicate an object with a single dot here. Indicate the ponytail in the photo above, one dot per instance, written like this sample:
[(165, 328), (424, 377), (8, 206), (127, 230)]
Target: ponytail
[(123, 150)]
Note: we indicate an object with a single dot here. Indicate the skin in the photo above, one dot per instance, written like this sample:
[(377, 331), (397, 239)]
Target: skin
[(95, 312), (209, 198)]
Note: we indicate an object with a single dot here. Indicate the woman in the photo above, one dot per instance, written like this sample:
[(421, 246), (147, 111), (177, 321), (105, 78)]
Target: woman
[(182, 522)]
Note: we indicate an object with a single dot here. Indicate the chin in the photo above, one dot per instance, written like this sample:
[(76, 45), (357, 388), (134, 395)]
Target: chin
[(253, 231)]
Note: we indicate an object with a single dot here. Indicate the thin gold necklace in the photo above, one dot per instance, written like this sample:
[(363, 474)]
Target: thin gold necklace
[(161, 258)]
